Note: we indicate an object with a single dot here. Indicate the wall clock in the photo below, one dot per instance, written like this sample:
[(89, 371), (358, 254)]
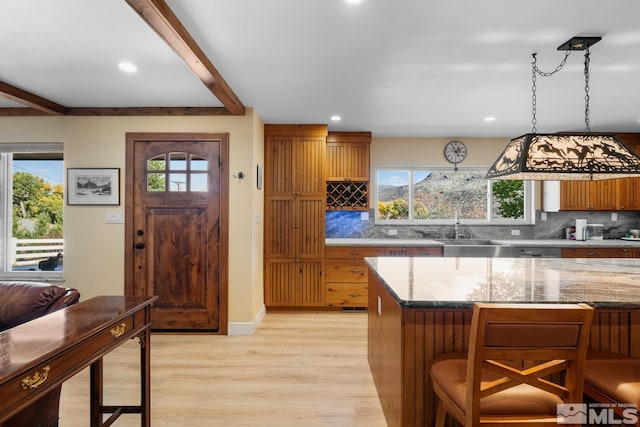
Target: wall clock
[(455, 152)]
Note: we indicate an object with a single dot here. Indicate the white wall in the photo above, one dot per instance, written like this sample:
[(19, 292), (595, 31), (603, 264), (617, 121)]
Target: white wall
[(94, 251)]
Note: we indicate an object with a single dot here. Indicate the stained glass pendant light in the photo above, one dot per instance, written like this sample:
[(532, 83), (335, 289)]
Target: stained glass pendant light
[(565, 156)]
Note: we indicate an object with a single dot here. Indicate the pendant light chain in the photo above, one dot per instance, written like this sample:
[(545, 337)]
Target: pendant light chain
[(587, 126), (534, 76)]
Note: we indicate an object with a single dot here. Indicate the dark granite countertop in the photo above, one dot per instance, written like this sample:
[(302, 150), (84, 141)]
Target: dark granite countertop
[(458, 282)]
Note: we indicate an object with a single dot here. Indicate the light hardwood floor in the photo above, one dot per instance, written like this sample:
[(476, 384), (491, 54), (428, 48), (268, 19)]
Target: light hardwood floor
[(298, 369)]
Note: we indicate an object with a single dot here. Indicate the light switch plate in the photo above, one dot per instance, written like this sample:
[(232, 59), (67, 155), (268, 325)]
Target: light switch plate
[(114, 217)]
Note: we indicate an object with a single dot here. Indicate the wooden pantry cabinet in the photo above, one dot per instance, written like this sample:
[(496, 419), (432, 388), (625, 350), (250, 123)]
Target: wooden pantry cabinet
[(348, 170), (294, 231)]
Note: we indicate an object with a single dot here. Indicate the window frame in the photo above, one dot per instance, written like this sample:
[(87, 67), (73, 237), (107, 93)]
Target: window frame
[(6, 196), (529, 210)]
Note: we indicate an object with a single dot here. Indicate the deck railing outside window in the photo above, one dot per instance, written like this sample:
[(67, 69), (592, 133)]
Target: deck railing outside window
[(26, 254)]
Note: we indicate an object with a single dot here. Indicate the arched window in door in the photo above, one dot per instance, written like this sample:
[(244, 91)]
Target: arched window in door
[(177, 172)]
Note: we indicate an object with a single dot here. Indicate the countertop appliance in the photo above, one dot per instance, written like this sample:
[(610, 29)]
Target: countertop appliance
[(581, 229)]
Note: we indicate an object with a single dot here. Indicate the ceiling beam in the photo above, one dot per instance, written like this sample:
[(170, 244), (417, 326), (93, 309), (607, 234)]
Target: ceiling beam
[(29, 99), (122, 111), (159, 16)]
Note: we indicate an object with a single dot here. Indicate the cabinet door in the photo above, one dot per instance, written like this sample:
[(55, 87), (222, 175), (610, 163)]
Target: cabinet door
[(309, 154), (278, 158), (309, 227), (337, 161), (309, 286), (279, 229), (280, 277), (358, 162), (574, 195), (602, 195), (627, 192)]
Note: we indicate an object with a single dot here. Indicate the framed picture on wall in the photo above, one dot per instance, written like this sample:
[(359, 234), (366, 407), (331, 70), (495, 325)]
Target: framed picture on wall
[(98, 186)]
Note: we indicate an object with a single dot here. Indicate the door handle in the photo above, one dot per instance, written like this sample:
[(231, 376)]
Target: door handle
[(138, 245)]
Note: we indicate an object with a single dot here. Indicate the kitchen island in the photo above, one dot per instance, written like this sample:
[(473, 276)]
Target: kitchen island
[(421, 307)]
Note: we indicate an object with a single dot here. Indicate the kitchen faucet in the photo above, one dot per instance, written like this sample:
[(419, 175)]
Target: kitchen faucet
[(456, 223)]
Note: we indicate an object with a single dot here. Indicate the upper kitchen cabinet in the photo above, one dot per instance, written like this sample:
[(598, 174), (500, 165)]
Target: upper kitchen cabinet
[(348, 170), (628, 188), (294, 160), (604, 195), (348, 156), (588, 195)]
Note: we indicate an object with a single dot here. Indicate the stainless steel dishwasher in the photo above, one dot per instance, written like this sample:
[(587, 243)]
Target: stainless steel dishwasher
[(538, 252)]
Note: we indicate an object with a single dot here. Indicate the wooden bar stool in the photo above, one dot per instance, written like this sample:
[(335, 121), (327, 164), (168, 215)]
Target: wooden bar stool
[(613, 379), (512, 374)]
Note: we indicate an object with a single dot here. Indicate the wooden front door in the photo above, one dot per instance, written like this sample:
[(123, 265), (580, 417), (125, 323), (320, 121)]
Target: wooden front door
[(176, 228)]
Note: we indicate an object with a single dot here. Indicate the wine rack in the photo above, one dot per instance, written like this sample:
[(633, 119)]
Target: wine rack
[(347, 195)]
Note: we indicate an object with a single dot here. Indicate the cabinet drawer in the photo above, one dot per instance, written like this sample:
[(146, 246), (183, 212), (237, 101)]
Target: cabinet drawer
[(346, 270), (346, 295), (598, 253), (353, 252)]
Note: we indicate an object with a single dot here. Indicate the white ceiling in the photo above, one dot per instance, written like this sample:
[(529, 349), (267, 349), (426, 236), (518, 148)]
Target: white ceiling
[(406, 68)]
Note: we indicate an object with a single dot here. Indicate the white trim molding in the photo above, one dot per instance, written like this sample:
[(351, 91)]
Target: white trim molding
[(246, 328)]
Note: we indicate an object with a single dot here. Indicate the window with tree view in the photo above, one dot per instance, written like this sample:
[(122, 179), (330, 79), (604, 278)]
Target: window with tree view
[(32, 204), (437, 195)]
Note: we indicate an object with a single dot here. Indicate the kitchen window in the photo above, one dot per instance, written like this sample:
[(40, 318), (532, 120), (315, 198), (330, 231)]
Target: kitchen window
[(440, 196), (31, 210)]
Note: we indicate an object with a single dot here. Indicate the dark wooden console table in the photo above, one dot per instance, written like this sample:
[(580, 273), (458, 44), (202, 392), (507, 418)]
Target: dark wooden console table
[(39, 355)]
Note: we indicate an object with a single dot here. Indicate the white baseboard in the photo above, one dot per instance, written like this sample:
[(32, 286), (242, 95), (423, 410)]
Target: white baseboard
[(246, 328)]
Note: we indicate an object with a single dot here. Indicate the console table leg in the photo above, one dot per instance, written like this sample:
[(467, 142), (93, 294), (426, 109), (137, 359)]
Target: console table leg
[(145, 378), (96, 393)]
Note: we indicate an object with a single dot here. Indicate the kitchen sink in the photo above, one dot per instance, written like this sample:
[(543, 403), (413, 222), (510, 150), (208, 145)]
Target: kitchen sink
[(476, 248)]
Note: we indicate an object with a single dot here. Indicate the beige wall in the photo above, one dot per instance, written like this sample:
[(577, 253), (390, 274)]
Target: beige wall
[(416, 152), (94, 250)]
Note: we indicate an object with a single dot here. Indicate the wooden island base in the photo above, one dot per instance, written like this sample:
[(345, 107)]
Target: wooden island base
[(405, 336)]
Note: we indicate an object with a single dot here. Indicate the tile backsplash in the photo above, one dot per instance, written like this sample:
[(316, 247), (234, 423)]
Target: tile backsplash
[(348, 224)]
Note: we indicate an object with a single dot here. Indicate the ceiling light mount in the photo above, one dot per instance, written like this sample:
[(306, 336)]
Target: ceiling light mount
[(579, 43)]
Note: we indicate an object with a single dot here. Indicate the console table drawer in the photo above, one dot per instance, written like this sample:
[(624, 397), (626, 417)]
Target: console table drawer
[(54, 371)]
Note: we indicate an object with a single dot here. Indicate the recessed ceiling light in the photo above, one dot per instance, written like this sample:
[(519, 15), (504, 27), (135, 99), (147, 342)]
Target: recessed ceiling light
[(489, 119), (354, 1), (127, 67), (336, 118)]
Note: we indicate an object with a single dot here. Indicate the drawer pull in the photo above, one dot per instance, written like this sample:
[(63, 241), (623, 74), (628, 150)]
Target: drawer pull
[(355, 270), (355, 252), (117, 331), (29, 383), (355, 295)]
